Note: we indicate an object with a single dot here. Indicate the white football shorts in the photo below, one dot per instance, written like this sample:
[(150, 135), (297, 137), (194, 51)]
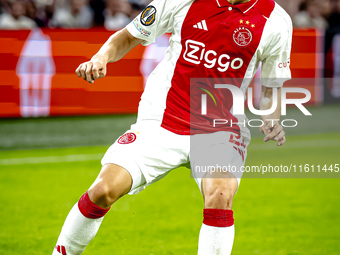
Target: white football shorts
[(149, 152)]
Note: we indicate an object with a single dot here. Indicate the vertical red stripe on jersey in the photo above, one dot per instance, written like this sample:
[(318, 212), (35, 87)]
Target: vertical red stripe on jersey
[(205, 54), (266, 7)]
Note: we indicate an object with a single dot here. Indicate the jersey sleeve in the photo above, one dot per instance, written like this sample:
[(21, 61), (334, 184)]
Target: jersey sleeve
[(152, 22), (276, 61)]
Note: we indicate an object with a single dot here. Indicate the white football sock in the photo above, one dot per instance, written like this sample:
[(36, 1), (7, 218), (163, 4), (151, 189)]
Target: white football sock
[(76, 233), (81, 225), (216, 240)]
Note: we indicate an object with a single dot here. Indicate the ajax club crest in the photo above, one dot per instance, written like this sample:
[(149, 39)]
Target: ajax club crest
[(127, 138), (242, 36)]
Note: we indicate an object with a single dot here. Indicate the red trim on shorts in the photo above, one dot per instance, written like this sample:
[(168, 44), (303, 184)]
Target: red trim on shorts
[(89, 209), (218, 217)]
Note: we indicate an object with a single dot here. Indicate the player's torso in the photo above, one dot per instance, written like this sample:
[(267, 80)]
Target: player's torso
[(209, 41), (217, 41)]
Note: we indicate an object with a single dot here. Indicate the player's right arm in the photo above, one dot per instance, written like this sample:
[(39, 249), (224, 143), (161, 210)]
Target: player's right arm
[(113, 50), (155, 20)]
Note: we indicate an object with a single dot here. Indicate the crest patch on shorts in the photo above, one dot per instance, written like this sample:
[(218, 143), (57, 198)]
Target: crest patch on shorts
[(148, 16), (127, 138)]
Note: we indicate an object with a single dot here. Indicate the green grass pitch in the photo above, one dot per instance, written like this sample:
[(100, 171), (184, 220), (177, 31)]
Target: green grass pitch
[(273, 216)]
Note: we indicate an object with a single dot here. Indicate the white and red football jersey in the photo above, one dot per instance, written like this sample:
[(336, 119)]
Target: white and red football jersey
[(210, 39)]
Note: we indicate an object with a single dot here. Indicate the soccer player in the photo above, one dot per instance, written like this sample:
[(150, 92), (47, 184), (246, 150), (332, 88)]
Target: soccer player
[(210, 39)]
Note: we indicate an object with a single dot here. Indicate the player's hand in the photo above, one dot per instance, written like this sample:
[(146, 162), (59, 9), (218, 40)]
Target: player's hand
[(92, 70), (273, 132)]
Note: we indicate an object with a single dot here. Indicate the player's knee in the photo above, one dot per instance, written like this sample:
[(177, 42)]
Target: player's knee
[(220, 196), (219, 199), (103, 195)]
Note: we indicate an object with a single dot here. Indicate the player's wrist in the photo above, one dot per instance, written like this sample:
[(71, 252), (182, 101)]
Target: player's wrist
[(100, 58)]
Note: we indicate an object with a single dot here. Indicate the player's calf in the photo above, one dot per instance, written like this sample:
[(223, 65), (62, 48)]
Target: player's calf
[(84, 219), (217, 232)]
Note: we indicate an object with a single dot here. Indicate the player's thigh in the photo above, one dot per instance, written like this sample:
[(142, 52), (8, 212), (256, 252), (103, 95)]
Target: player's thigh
[(148, 152), (112, 183)]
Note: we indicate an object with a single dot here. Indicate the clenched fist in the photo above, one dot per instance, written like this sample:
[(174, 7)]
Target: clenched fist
[(273, 131), (92, 70)]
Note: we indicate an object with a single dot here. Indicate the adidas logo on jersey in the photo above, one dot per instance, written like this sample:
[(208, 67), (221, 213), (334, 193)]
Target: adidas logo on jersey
[(201, 25)]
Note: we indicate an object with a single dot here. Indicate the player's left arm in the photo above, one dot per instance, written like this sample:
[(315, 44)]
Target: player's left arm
[(275, 71), (272, 128)]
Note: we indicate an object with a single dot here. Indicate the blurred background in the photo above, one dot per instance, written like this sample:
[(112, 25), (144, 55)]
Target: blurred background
[(43, 41), (115, 14), (55, 127)]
